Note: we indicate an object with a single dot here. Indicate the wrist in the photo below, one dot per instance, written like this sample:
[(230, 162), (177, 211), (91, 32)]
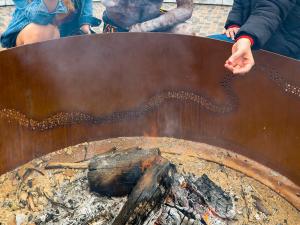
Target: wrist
[(233, 26), (246, 38)]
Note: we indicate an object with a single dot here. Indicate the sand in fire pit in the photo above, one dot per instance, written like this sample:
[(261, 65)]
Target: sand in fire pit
[(32, 194)]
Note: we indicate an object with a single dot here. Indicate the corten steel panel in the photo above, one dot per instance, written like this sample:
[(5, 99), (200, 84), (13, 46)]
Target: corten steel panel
[(64, 92)]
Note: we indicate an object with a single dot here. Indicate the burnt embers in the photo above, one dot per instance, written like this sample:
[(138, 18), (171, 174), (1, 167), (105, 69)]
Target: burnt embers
[(116, 173), (157, 193)]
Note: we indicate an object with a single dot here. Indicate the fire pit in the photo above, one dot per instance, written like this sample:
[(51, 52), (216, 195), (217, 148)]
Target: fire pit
[(61, 93), (49, 190)]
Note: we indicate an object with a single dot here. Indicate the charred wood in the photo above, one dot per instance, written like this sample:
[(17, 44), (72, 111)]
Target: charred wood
[(148, 194), (218, 200), (116, 173), (62, 165)]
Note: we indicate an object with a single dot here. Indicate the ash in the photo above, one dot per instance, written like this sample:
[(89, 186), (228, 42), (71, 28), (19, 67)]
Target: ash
[(194, 201), (74, 204)]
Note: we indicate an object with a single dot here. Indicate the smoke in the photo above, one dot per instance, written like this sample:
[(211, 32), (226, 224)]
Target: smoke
[(171, 127), (66, 73)]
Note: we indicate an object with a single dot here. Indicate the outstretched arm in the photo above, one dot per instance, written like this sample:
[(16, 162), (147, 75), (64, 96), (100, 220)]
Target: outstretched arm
[(173, 17), (260, 26)]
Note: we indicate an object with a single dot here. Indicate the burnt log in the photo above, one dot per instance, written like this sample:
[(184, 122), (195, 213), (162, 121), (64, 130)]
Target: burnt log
[(217, 200), (66, 165), (116, 173), (149, 193)]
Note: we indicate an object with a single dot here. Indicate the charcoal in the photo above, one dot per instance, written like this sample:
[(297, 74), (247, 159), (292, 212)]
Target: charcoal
[(116, 173), (148, 194), (217, 199)]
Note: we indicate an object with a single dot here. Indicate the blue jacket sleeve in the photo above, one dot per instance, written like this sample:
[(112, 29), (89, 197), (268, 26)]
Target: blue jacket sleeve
[(86, 12), (86, 16), (20, 4)]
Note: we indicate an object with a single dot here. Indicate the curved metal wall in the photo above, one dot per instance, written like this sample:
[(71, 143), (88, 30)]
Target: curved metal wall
[(60, 93)]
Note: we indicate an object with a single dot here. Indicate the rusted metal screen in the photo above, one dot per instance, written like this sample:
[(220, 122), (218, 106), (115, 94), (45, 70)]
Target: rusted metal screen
[(68, 91)]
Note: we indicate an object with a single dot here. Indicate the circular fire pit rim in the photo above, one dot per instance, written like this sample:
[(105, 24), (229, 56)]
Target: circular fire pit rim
[(203, 151)]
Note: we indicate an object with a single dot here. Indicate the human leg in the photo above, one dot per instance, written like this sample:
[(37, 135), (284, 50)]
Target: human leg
[(33, 33), (182, 28)]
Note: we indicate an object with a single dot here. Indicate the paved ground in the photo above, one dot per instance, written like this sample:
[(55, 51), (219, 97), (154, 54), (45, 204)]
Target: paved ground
[(207, 19)]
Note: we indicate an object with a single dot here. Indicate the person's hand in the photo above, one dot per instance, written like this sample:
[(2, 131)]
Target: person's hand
[(231, 32), (85, 28), (241, 61)]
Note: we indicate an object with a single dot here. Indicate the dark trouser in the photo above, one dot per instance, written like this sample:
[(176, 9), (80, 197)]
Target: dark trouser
[(110, 27)]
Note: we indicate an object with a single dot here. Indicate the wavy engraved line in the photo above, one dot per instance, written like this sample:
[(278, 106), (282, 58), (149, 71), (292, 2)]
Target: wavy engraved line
[(281, 82), (67, 118)]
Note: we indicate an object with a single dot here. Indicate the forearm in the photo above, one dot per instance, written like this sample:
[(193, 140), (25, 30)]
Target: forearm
[(86, 13), (171, 18)]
